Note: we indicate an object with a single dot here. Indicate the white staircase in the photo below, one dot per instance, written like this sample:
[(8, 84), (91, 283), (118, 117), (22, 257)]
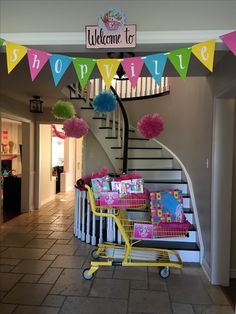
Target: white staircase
[(160, 169)]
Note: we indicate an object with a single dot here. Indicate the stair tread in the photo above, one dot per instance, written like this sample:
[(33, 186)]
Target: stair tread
[(159, 158), (175, 181), (186, 246), (154, 169)]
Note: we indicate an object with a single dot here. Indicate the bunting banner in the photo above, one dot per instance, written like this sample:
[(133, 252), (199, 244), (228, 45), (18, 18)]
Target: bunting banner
[(14, 55), (155, 63), (132, 67), (1, 42), (37, 59), (59, 65), (205, 53), (83, 68), (180, 59), (230, 41), (108, 68)]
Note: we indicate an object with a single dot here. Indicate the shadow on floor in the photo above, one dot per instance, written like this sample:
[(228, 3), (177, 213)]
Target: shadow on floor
[(230, 292)]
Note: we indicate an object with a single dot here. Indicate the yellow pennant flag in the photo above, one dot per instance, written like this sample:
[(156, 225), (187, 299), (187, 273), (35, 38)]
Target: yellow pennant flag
[(14, 55), (205, 53), (108, 68)]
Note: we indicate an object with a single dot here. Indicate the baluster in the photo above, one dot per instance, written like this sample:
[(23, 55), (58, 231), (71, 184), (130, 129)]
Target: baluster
[(109, 227), (93, 242), (100, 230), (92, 89), (114, 123), (83, 216), (119, 128), (108, 119), (119, 237), (88, 236), (79, 213)]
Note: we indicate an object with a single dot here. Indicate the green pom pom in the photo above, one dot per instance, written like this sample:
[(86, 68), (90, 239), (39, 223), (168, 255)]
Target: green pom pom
[(63, 110)]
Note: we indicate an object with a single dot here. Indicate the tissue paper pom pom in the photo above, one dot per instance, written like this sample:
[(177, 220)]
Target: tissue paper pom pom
[(75, 127), (150, 125), (104, 102), (63, 109)]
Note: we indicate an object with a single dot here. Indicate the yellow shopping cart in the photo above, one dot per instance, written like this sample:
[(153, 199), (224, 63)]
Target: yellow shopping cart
[(127, 254)]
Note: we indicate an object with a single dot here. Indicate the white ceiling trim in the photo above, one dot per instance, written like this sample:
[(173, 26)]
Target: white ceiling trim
[(151, 37)]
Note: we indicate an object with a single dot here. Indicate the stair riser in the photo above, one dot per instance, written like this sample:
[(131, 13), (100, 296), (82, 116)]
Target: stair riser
[(189, 256), (155, 153), (160, 174), (142, 143), (190, 217), (152, 163), (192, 238), (166, 186), (187, 202)]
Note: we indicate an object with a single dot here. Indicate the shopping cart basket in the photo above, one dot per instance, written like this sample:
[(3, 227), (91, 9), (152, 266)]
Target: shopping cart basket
[(127, 254)]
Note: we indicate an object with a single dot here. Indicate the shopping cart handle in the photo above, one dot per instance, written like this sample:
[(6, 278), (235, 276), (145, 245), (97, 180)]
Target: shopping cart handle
[(80, 184)]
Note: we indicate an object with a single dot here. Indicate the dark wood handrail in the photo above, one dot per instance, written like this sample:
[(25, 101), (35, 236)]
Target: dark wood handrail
[(126, 131)]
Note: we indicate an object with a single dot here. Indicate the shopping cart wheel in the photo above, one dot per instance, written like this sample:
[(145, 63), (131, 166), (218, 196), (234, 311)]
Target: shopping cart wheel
[(86, 275), (164, 272), (94, 254)]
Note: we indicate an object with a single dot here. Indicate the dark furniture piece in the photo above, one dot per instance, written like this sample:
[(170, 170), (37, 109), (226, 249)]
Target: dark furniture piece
[(12, 196)]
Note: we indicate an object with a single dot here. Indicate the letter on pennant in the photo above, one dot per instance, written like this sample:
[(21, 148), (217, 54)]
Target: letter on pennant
[(59, 65), (205, 53), (180, 59), (132, 67), (14, 55), (156, 65), (83, 68), (108, 68), (37, 60)]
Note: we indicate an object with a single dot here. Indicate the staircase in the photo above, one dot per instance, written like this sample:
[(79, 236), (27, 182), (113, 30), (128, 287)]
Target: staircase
[(160, 169)]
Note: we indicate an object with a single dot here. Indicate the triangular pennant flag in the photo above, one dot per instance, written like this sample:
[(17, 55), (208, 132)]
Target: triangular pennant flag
[(205, 53), (14, 55), (132, 67), (1, 42), (108, 68), (230, 41), (37, 60), (156, 65), (180, 59), (59, 65), (83, 68)]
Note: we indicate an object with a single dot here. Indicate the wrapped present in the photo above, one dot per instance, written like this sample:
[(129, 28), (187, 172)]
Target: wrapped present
[(109, 199), (167, 206), (142, 231), (100, 185), (172, 229)]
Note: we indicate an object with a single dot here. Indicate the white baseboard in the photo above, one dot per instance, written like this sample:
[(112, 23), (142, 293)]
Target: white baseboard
[(206, 268), (233, 273)]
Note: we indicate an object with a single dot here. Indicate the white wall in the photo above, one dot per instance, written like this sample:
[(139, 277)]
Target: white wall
[(72, 16), (68, 176), (47, 183)]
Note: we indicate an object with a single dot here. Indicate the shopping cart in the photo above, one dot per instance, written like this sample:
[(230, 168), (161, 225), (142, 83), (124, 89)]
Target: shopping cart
[(127, 254)]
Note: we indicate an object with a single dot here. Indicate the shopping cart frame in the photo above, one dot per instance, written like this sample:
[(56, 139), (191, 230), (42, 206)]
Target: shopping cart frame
[(165, 258)]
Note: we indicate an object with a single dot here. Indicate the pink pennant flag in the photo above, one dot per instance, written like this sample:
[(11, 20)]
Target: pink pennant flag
[(37, 60), (132, 67), (230, 41)]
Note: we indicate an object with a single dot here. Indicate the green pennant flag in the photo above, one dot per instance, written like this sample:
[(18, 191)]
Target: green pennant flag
[(83, 68), (1, 42), (180, 59)]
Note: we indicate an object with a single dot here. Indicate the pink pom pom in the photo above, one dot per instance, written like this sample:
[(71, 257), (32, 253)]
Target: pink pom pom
[(150, 125), (75, 127)]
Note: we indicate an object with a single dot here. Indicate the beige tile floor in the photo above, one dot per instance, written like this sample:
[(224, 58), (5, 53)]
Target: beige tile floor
[(41, 263)]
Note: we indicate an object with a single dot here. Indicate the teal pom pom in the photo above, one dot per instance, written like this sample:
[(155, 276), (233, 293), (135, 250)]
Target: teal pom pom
[(63, 110), (104, 102)]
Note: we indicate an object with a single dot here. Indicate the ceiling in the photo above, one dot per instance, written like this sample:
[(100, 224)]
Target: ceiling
[(18, 84)]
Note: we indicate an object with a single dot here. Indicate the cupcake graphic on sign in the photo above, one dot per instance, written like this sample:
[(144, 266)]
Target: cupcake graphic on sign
[(111, 20)]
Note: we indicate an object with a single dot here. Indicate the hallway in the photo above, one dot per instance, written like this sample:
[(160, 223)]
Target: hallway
[(41, 264)]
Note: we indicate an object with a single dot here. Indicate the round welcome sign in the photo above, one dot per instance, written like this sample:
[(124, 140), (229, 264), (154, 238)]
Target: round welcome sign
[(111, 19)]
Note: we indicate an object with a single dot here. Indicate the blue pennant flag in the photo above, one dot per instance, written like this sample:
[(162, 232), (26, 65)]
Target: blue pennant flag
[(156, 65), (59, 65)]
